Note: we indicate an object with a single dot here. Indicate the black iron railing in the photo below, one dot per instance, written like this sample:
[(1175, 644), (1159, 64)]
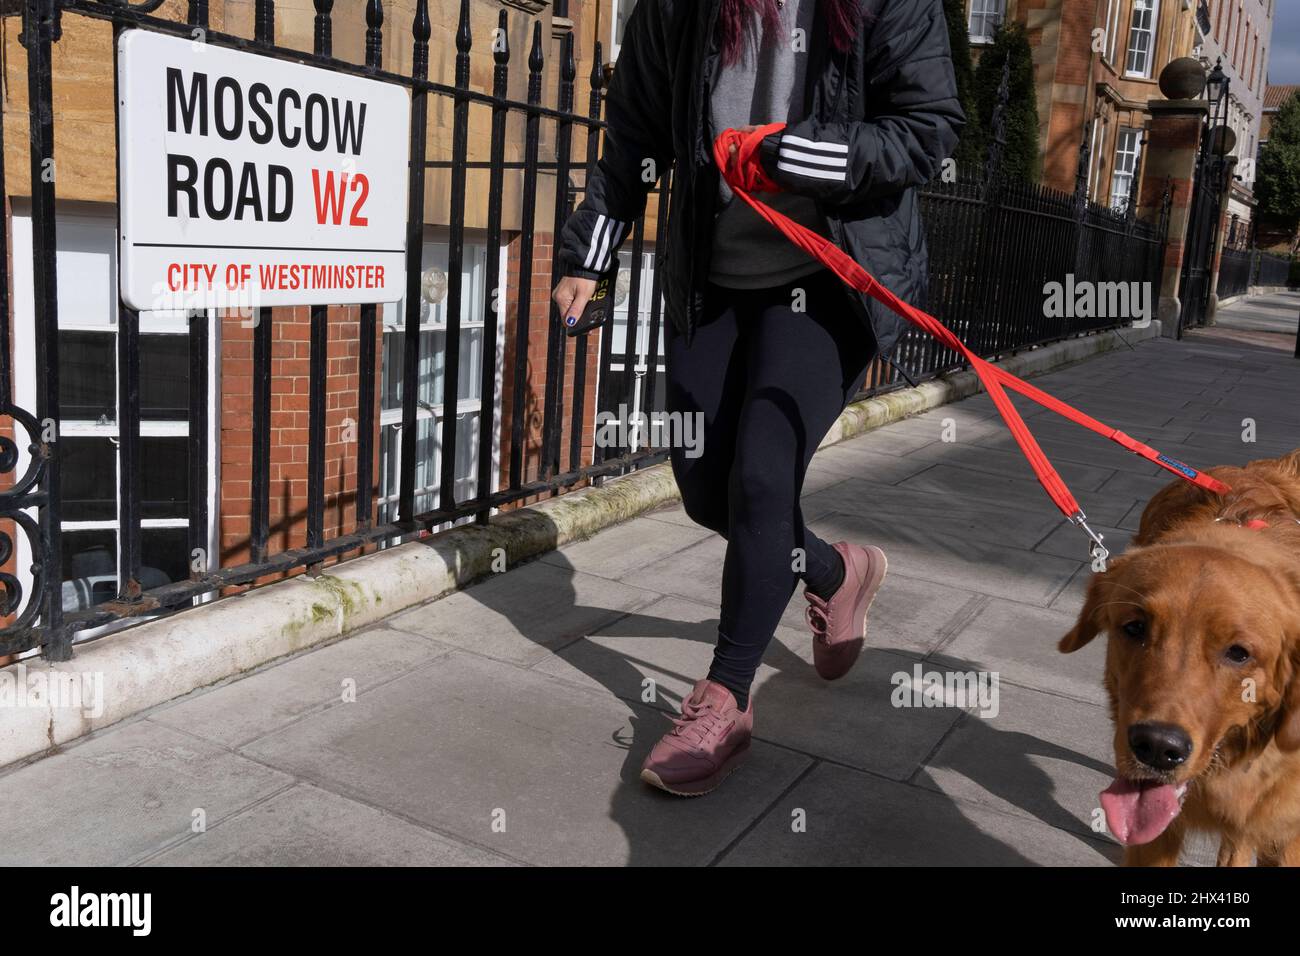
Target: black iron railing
[(1273, 270), (1236, 267), (1242, 269), (995, 245)]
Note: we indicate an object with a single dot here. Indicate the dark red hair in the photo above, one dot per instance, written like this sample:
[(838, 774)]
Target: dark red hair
[(842, 19)]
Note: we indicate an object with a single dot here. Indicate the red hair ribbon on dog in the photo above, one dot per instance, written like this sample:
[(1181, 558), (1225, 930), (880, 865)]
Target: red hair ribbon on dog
[(744, 175)]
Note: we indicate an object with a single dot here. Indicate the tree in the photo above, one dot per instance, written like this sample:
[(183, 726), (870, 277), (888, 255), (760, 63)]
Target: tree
[(970, 148), (1277, 181), (1021, 158)]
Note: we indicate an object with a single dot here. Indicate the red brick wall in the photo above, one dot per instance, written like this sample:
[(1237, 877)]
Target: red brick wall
[(290, 383)]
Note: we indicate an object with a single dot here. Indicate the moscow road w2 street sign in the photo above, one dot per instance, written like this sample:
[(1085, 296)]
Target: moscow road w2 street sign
[(248, 181)]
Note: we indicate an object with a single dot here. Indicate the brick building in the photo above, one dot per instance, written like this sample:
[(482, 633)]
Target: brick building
[(1238, 36), (86, 226), (1098, 61)]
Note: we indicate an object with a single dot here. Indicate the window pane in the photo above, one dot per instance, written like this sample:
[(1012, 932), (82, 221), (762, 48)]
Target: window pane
[(89, 568), (433, 363), (391, 392), (87, 267), (89, 476), (87, 376), (1141, 34), (164, 556), (164, 376), (165, 477)]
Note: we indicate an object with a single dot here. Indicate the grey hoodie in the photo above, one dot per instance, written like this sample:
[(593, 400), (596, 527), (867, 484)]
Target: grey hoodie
[(765, 86)]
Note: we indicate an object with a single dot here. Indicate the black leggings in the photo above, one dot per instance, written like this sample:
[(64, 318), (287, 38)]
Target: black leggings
[(770, 381)]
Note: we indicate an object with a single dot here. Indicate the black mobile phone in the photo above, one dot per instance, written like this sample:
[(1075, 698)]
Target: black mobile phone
[(599, 307)]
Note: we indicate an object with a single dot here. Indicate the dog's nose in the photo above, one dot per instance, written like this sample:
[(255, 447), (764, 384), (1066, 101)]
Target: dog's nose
[(1160, 746)]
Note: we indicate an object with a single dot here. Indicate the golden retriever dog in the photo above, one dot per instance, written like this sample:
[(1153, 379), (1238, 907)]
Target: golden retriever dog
[(1202, 617)]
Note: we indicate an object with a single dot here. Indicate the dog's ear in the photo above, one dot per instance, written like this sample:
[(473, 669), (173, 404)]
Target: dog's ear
[(1287, 735), (1087, 626)]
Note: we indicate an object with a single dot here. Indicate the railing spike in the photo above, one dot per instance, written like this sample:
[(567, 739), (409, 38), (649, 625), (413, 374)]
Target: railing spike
[(501, 50), (264, 21), (463, 38), (324, 39), (535, 58), (420, 30), (597, 66), (374, 34), (569, 69)]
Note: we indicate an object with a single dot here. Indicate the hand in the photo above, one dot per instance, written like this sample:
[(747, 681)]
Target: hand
[(732, 158), (572, 295)]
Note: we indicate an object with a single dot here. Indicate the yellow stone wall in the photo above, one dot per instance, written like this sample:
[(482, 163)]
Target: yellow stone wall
[(83, 89)]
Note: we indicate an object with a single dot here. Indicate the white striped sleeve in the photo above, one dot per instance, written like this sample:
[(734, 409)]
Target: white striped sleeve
[(605, 237), (811, 159)]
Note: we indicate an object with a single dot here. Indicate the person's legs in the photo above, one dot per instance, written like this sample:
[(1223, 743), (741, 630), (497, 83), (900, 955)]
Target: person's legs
[(802, 368), (707, 379), (769, 382)]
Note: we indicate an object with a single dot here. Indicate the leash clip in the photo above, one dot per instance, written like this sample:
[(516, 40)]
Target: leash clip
[(1096, 550)]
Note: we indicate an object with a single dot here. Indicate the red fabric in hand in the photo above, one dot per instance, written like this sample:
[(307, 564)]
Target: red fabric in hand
[(744, 171)]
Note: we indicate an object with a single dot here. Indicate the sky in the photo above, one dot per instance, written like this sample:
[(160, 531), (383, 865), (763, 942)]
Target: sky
[(1284, 61)]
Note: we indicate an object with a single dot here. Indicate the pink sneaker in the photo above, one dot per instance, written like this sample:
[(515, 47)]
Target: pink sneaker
[(839, 625), (708, 741)]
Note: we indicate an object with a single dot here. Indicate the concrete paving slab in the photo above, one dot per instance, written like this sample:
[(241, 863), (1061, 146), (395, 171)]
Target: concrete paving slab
[(124, 795), (671, 644), (856, 720), (1009, 461), (616, 552), (694, 572), (307, 826), (851, 461), (1016, 762), (949, 518), (840, 817), (1019, 642), (533, 768), (235, 713), (521, 615), (944, 555), (949, 480)]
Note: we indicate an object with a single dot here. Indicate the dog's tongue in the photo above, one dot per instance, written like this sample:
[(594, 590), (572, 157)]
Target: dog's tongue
[(1138, 811)]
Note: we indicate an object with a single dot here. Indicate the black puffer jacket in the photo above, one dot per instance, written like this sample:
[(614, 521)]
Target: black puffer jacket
[(883, 116)]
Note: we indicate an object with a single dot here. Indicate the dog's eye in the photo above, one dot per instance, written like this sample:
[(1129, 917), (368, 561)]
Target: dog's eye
[(1237, 654), (1136, 629)]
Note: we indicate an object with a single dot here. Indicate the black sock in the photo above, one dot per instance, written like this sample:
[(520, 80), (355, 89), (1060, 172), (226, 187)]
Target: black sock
[(825, 587)]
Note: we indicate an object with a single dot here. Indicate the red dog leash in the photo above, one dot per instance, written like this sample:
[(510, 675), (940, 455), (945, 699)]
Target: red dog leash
[(746, 175)]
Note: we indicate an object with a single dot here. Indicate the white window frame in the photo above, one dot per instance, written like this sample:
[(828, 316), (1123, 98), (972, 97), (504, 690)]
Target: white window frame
[(1128, 157), (1112, 29), (989, 15), (1139, 62), (102, 217)]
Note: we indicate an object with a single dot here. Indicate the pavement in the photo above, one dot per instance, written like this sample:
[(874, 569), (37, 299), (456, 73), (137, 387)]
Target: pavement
[(506, 724)]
